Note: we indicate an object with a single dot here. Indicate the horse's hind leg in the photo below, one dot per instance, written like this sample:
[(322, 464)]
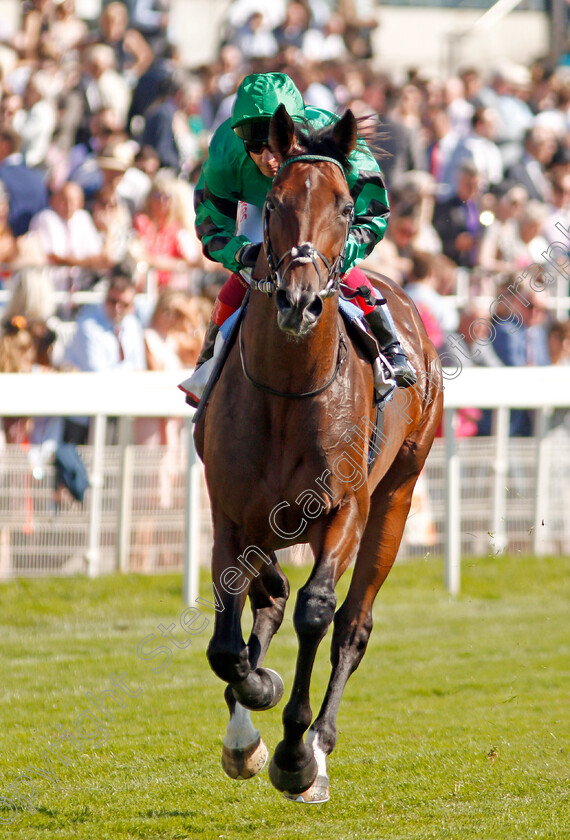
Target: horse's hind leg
[(353, 621), (244, 753)]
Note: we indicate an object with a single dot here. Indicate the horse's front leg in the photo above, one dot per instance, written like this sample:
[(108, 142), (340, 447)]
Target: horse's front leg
[(244, 752), (294, 767)]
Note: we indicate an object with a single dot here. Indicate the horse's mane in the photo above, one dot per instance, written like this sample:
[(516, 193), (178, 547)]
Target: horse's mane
[(320, 141)]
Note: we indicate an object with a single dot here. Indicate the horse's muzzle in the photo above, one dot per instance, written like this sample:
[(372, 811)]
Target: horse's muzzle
[(298, 310)]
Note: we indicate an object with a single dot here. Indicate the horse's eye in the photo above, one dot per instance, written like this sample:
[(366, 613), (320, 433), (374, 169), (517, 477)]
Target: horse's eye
[(347, 210), (270, 205)]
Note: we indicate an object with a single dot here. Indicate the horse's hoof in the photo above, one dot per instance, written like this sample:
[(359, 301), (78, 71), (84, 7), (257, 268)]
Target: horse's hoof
[(277, 684), (293, 781), (246, 763), (273, 688), (317, 793)]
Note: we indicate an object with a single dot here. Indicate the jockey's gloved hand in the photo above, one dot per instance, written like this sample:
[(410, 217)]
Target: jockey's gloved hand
[(248, 254)]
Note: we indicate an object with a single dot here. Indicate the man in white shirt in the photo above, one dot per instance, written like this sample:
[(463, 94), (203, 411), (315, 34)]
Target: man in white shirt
[(109, 337)]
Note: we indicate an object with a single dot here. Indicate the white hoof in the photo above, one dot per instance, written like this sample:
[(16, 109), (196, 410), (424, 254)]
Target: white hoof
[(246, 763)]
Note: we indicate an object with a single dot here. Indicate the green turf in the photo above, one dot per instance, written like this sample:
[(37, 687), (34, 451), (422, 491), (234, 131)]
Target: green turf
[(455, 725)]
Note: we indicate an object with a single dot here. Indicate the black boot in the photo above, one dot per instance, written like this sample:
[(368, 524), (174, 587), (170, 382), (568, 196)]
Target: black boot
[(384, 330), (207, 350)]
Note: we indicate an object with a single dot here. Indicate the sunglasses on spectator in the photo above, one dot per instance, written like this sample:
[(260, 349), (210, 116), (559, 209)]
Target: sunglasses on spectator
[(255, 147)]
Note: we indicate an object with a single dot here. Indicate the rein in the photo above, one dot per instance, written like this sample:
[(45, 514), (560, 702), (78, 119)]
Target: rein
[(304, 252), (342, 354)]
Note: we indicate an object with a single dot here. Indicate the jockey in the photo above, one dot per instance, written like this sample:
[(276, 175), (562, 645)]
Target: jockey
[(233, 185)]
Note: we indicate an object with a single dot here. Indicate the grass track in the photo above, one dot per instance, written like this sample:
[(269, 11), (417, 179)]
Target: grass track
[(455, 726)]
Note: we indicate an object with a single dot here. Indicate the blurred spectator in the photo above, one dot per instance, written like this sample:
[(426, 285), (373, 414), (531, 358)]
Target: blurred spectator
[(36, 121), (254, 38), (27, 191), (520, 339), (82, 161), (17, 355), (290, 32), (109, 337), (400, 150), (500, 240), (514, 115), (67, 31), (558, 212), (151, 19), (459, 110), (159, 124), (438, 313), (37, 16), (8, 248), (457, 219), (31, 295), (165, 241), (328, 43), (132, 53), (136, 184), (104, 86), (480, 147), (441, 149), (530, 170), (418, 189), (68, 236), (531, 243), (188, 126), (360, 22), (559, 342), (393, 255), (114, 224), (173, 340)]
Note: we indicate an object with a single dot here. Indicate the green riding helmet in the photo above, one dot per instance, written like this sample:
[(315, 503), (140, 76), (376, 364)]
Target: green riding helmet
[(258, 97)]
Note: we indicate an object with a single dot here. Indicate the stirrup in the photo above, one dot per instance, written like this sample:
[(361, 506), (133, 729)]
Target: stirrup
[(400, 367)]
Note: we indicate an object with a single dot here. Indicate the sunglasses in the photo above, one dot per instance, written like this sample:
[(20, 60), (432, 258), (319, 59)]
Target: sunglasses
[(255, 147)]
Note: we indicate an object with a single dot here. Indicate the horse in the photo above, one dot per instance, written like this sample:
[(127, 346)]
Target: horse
[(285, 441)]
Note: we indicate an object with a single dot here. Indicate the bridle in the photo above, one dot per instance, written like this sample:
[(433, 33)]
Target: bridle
[(305, 252)]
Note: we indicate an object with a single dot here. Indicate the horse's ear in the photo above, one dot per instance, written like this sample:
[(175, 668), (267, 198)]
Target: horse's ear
[(345, 134), (281, 132)]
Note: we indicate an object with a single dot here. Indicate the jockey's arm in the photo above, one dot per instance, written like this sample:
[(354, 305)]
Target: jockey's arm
[(228, 176), (371, 206)]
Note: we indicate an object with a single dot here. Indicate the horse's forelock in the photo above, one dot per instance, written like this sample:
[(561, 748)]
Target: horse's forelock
[(320, 141)]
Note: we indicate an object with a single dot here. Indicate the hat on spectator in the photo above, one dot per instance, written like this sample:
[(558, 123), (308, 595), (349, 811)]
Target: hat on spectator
[(117, 158)]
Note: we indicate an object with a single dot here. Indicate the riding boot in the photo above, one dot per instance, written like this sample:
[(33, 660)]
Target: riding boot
[(207, 350), (205, 363), (384, 330)]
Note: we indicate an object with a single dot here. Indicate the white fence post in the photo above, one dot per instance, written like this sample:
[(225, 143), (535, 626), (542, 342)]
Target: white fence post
[(453, 506), (541, 518), (499, 531), (190, 582), (93, 555)]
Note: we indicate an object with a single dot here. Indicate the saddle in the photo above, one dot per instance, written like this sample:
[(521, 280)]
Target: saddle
[(357, 331)]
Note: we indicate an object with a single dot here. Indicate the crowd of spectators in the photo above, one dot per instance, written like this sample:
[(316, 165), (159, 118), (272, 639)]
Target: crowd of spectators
[(103, 131)]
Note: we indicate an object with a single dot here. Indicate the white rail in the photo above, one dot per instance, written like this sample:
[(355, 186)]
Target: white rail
[(156, 395)]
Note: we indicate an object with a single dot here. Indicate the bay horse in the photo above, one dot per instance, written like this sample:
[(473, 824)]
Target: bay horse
[(294, 400)]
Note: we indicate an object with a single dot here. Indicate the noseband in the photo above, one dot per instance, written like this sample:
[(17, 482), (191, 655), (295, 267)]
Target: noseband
[(305, 252)]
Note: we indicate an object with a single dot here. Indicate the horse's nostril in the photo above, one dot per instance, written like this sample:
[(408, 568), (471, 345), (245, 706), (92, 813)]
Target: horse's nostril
[(315, 308), (282, 301)]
